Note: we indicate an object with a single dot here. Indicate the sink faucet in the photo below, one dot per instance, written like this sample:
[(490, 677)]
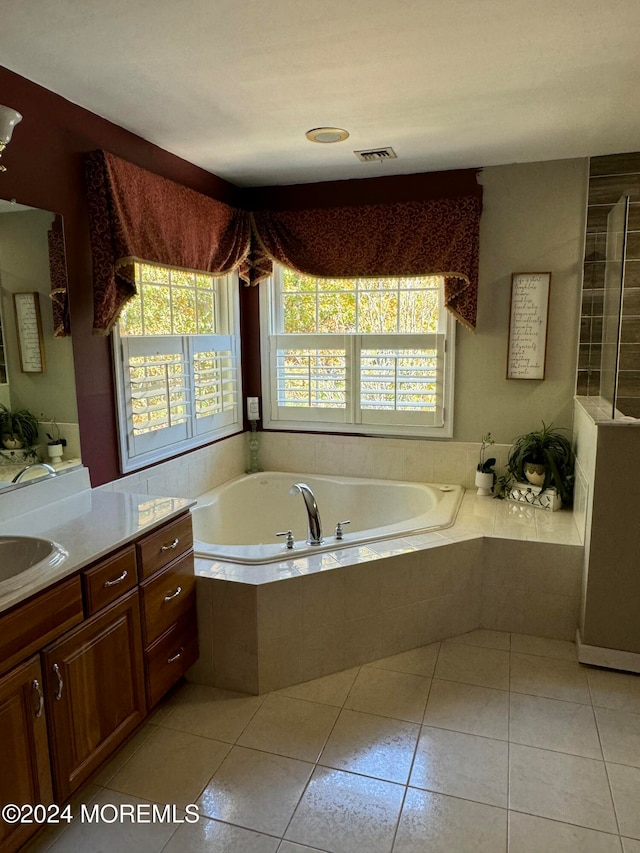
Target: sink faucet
[(313, 514), (50, 471)]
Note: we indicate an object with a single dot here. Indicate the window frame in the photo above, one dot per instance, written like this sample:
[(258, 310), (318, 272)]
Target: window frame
[(270, 316), (193, 436)]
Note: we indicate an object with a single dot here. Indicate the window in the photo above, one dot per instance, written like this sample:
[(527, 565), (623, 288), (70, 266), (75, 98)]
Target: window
[(177, 364), (357, 355)]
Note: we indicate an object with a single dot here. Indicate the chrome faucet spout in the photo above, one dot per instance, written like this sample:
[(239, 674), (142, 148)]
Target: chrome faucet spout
[(49, 470), (313, 513)]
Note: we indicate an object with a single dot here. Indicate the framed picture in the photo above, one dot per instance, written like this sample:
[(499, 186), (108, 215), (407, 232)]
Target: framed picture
[(528, 323), (29, 331)]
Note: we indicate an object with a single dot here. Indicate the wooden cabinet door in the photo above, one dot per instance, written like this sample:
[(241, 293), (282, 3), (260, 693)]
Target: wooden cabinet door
[(94, 684), (25, 777)]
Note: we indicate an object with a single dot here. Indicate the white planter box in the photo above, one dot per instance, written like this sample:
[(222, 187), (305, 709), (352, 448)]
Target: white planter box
[(533, 496)]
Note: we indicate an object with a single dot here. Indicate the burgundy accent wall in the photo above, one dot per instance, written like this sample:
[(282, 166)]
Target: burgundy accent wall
[(45, 169)]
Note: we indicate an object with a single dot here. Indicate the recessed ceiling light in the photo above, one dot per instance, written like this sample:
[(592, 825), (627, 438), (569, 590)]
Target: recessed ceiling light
[(327, 134)]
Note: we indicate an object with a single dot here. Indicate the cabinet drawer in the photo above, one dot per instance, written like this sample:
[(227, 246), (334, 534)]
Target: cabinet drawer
[(40, 620), (160, 548), (170, 656), (166, 596), (109, 580)]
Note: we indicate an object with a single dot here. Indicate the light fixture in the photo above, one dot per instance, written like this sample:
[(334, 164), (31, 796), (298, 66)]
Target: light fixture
[(9, 118), (327, 134)]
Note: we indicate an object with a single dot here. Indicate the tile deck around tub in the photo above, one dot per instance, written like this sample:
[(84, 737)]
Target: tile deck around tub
[(477, 517), (402, 755)]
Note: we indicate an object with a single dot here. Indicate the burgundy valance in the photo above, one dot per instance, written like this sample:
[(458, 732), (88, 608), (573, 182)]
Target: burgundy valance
[(137, 215), (59, 283), (428, 237)]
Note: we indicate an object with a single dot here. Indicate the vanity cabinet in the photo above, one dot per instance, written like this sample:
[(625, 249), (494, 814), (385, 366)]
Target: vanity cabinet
[(94, 686), (112, 639), (25, 776)]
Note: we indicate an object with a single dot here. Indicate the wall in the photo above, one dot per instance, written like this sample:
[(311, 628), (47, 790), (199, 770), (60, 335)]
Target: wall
[(609, 178), (24, 267), (45, 169)]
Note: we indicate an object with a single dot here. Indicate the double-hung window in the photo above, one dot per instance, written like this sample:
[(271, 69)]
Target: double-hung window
[(370, 355), (176, 349)]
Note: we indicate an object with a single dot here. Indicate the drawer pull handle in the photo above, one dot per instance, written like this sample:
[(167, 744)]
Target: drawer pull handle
[(115, 581), (36, 686), (56, 670), (177, 656), (171, 546), (173, 595)]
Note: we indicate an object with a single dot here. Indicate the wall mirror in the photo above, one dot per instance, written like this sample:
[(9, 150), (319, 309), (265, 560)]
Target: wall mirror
[(49, 391)]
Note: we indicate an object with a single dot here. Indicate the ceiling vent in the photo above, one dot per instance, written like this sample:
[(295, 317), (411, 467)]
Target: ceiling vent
[(376, 155)]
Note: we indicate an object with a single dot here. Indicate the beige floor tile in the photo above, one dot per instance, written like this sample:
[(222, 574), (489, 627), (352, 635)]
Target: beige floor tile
[(211, 835), (630, 845), (442, 824), (421, 661), (617, 690), (625, 787), (119, 759), (529, 834), (347, 813), (328, 690), (170, 767), (115, 836), (473, 665), (487, 639), (292, 727), (290, 847), (553, 724), (49, 833), (255, 790), (371, 745), (562, 787), (468, 708), (555, 679), (620, 735), (211, 712), (462, 765), (389, 694), (560, 649)]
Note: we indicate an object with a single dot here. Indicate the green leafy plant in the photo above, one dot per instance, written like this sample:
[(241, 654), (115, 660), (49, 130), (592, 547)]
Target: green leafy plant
[(20, 425), (486, 465), (551, 449)]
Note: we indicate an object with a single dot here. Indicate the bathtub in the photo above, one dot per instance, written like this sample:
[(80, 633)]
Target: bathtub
[(238, 521)]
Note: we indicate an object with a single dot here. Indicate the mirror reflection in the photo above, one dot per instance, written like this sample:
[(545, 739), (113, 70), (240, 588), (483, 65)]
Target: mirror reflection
[(36, 368)]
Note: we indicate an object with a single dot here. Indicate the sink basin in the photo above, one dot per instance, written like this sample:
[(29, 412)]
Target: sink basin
[(19, 553)]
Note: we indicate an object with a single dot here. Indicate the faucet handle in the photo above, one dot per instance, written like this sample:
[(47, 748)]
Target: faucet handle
[(290, 541), (339, 527)]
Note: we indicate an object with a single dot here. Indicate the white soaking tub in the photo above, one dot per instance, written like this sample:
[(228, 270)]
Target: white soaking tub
[(238, 521)]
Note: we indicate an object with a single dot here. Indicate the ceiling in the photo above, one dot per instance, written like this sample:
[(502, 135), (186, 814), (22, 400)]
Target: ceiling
[(232, 85)]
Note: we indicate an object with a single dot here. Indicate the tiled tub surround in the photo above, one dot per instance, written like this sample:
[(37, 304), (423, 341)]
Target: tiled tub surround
[(501, 566)]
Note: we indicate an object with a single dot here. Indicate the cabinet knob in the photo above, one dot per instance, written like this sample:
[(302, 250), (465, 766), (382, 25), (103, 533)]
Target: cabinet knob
[(115, 581), (170, 546), (176, 657), (35, 684), (173, 595), (56, 671)]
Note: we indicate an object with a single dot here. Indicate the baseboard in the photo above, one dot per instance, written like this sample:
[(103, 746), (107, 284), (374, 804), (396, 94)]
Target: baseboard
[(610, 658)]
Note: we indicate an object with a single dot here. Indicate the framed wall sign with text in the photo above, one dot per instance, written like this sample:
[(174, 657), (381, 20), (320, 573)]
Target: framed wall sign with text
[(528, 322), (29, 331)]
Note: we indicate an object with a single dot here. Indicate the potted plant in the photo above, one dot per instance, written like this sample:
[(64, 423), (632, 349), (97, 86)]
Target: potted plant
[(18, 429), (544, 458), (485, 474), (56, 443)]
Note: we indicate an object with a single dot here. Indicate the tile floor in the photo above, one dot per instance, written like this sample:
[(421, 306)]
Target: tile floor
[(484, 743)]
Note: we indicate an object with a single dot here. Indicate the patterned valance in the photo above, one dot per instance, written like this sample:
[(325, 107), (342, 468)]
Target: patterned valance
[(432, 237), (136, 215)]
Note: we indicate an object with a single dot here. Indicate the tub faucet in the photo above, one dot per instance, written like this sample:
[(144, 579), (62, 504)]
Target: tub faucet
[(49, 470), (313, 514)]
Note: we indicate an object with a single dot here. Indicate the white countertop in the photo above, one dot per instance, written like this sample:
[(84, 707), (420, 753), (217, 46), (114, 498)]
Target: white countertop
[(87, 525)]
